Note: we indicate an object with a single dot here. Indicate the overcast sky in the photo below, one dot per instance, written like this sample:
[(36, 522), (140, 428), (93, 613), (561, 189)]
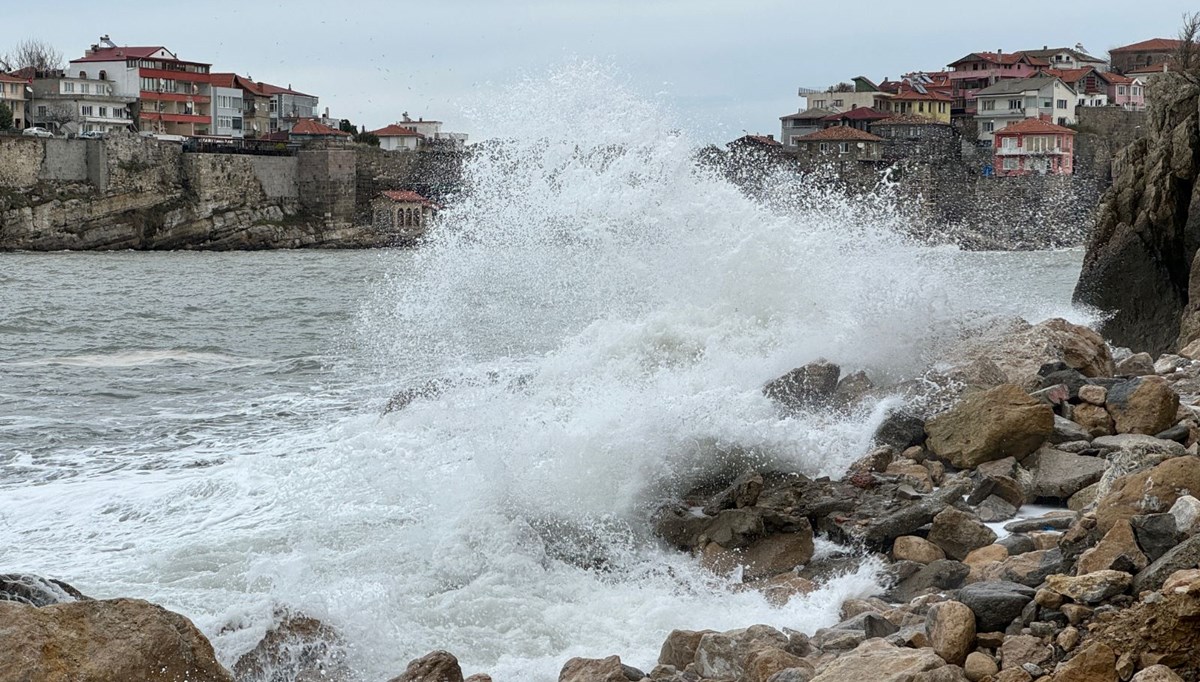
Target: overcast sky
[(724, 65)]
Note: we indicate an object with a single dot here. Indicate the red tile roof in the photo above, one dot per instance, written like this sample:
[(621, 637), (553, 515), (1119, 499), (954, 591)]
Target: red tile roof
[(223, 80), (1114, 78), (1152, 45), (858, 114), (120, 54), (308, 126), (1001, 58), (408, 196), (269, 89), (910, 94), (6, 78), (1069, 75), (1033, 126), (396, 130), (840, 134)]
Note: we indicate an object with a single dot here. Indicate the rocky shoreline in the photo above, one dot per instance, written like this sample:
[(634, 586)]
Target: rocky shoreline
[(1106, 586)]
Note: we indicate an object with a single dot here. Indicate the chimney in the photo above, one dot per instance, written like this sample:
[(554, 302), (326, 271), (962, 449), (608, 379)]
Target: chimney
[(770, 136), (91, 50), (1045, 47)]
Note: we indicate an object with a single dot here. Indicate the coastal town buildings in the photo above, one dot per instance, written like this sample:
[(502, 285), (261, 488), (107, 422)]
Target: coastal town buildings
[(65, 104), (1142, 55), (402, 213), (309, 130), (1008, 101), (227, 111), (860, 92), (979, 70), (797, 125), (14, 93), (860, 118), (398, 138), (1067, 58), (287, 106), (839, 145), (1034, 147)]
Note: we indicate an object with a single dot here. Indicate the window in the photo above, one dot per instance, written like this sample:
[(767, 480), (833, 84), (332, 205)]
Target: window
[(843, 147), (988, 126), (1082, 102), (1008, 143), (921, 107), (41, 111), (824, 147), (86, 110), (1062, 104), (1047, 104), (103, 112), (817, 104), (1012, 163), (103, 75), (989, 105), (85, 88), (68, 86), (237, 124), (838, 103), (149, 84), (1120, 89), (1137, 91), (1015, 104), (1062, 120)]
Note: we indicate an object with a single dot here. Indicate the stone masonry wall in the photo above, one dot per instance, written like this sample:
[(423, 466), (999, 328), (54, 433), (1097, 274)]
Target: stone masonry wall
[(20, 161)]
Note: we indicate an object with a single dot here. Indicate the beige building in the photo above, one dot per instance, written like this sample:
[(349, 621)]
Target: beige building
[(402, 214), (13, 92)]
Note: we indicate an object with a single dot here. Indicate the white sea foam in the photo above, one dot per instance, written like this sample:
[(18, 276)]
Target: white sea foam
[(602, 313), (138, 358)]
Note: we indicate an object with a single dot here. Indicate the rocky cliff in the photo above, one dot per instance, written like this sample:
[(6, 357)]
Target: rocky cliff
[(1141, 260)]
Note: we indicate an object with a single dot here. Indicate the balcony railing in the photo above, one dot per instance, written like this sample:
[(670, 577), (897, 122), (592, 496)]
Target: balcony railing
[(1022, 151)]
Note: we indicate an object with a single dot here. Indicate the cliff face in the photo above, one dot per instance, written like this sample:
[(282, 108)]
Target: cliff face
[(128, 192), (1141, 260)]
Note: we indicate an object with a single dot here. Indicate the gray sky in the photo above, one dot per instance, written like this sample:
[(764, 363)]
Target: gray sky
[(724, 65)]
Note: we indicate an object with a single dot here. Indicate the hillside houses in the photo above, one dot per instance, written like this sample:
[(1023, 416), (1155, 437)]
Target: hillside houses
[(935, 115)]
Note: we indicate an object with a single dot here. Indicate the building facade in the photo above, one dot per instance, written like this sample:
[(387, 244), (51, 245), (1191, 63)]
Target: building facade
[(62, 103), (1067, 58), (1143, 55), (398, 138), (797, 125), (1034, 147), (403, 214), (838, 145), (14, 93), (1010, 101), (228, 112), (980, 70), (173, 96)]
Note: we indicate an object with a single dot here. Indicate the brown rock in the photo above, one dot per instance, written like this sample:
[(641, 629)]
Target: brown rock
[(1095, 662), (1021, 649), (1091, 588), (298, 648), (1145, 405), (778, 552), (918, 549), (950, 626), (1068, 639), (679, 648), (805, 388), (1117, 550), (979, 666), (958, 532), (761, 665), (986, 555), (1013, 675), (1094, 419), (589, 670), (1001, 422), (1157, 673), (916, 475), (780, 589), (1187, 580), (1076, 613), (441, 666), (879, 661), (1148, 491), (113, 640), (1094, 395), (479, 677)]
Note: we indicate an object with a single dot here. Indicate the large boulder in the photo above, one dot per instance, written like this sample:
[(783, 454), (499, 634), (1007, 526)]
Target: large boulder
[(36, 590), (1022, 352), (950, 627), (589, 670), (1091, 588), (1001, 422), (1062, 474), (879, 661), (957, 533), (1148, 491), (1138, 261), (995, 603), (679, 648), (1117, 550), (442, 666), (298, 649), (1096, 662), (805, 388), (103, 641), (1145, 405), (1183, 556)]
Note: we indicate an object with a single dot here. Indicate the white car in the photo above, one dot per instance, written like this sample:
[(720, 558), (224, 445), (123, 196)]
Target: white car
[(37, 132)]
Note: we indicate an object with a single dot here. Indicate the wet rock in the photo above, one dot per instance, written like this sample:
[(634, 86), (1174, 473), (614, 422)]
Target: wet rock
[(1084, 498), (1186, 512), (1155, 533), (1093, 420), (442, 666), (1117, 550), (479, 677), (780, 589), (1169, 363), (1061, 474), (950, 627), (852, 388), (1017, 543), (743, 492), (958, 532), (946, 673), (103, 641), (429, 389), (1145, 405), (1180, 433), (937, 575), (777, 553), (980, 666), (1182, 556), (901, 429), (1022, 353), (577, 670), (879, 661), (298, 649), (995, 603), (1051, 521), (878, 520), (733, 528), (36, 591), (1136, 365), (913, 548), (1031, 568), (1131, 453), (1023, 650), (1091, 588), (805, 388), (995, 509), (1069, 379), (1001, 422), (763, 664), (679, 648), (721, 655), (1148, 491)]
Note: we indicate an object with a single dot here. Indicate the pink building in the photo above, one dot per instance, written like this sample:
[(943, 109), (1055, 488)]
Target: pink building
[(1034, 146), (979, 70), (1124, 91)]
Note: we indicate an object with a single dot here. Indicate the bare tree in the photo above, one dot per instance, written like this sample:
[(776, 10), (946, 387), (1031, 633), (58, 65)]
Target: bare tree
[(1187, 55), (57, 115), (38, 54)]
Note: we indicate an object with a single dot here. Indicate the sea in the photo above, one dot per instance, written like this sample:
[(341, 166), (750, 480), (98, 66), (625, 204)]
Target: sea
[(586, 332)]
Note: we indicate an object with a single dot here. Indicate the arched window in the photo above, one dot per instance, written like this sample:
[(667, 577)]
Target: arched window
[(83, 75), (103, 75)]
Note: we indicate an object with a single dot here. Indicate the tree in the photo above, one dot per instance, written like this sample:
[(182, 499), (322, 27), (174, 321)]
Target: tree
[(367, 138), (1187, 55), (6, 116), (37, 54), (58, 115), (347, 127)]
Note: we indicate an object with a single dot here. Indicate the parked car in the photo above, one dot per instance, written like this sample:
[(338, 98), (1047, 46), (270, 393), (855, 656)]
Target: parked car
[(35, 131), (91, 135)]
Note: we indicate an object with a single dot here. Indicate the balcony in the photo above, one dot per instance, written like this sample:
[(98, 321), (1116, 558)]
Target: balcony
[(1021, 151)]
